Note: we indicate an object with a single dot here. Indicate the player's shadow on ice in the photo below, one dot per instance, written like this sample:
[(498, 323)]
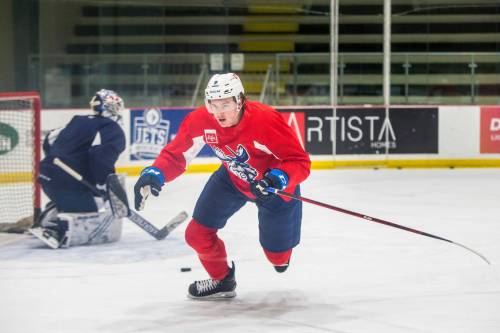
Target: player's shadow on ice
[(261, 304), (259, 309)]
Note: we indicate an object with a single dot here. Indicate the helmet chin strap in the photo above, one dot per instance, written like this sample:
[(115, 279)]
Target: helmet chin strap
[(241, 110), (240, 101)]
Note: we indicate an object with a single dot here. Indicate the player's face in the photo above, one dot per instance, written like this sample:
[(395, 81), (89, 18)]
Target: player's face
[(225, 111)]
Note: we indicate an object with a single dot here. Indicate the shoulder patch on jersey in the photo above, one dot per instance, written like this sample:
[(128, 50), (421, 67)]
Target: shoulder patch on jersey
[(211, 136), (191, 153)]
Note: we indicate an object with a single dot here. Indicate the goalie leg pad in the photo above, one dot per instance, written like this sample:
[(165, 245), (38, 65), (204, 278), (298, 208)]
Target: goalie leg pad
[(92, 228), (108, 228)]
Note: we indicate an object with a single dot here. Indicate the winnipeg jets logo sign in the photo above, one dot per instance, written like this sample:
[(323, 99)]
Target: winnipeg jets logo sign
[(237, 163)]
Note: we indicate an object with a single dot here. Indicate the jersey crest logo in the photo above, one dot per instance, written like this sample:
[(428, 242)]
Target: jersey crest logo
[(237, 163), (210, 136)]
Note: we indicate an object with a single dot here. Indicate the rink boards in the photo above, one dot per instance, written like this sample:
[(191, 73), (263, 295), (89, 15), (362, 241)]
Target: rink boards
[(347, 136)]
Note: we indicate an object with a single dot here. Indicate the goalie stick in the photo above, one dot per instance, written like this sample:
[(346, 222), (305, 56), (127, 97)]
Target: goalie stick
[(119, 203), (372, 219)]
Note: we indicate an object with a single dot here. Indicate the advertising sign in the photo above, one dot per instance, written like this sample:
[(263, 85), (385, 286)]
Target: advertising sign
[(363, 131), (415, 129), (296, 120), (490, 130), (357, 130), (368, 131), (9, 138), (312, 128)]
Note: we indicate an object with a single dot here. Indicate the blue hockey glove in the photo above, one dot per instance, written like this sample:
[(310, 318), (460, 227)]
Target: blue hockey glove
[(150, 182), (274, 178)]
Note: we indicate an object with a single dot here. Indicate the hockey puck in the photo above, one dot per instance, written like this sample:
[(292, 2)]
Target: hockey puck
[(185, 269)]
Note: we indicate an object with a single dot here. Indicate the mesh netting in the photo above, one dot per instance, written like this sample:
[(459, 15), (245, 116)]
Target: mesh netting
[(16, 159)]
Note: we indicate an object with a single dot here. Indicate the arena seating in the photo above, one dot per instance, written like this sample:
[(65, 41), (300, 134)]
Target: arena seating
[(150, 50)]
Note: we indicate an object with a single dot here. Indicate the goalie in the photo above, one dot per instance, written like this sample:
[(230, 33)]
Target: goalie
[(90, 144)]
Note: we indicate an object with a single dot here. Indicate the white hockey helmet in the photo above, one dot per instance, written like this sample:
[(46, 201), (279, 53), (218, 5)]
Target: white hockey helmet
[(224, 86), (107, 103)]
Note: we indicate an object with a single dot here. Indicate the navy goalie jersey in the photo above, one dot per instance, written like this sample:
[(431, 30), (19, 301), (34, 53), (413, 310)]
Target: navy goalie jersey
[(90, 145)]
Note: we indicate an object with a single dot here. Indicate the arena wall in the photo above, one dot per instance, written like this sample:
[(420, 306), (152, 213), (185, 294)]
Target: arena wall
[(350, 136)]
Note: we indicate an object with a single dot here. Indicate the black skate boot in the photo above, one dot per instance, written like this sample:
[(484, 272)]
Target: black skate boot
[(211, 289), (282, 268)]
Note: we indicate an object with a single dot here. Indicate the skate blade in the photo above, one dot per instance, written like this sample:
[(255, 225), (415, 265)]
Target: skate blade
[(226, 295), (50, 241)]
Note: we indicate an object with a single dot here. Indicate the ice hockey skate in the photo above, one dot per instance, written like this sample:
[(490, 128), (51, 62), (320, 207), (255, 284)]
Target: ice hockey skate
[(211, 289), (47, 236), (54, 237), (51, 230)]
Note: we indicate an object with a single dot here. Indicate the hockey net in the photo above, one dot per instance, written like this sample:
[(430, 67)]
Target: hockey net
[(20, 142)]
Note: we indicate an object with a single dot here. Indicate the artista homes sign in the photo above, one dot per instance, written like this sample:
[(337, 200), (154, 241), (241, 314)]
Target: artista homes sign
[(9, 138), (365, 130)]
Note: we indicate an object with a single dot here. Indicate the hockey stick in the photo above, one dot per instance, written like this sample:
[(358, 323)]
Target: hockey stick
[(371, 219), (145, 225)]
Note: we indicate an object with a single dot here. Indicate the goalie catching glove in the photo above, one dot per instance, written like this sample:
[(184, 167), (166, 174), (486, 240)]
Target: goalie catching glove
[(150, 182), (274, 178)]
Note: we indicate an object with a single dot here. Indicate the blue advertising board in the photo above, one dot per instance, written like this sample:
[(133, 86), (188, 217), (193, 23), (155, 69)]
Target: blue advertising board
[(151, 129)]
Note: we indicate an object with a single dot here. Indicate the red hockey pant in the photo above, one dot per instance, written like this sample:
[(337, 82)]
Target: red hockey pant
[(212, 252)]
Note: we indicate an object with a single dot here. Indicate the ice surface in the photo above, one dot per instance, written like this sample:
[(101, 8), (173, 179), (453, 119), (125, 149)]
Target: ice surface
[(347, 275)]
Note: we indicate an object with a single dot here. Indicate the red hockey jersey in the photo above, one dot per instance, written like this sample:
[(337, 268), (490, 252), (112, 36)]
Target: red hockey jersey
[(259, 142)]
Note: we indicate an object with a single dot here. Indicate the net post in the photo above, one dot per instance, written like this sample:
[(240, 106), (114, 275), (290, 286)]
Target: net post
[(37, 156), (22, 216)]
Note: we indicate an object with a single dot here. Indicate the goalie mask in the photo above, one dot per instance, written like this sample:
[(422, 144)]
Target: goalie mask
[(224, 86), (107, 103)]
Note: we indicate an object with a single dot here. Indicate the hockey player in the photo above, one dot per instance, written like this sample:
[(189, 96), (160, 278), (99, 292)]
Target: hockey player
[(258, 150), (90, 145)]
